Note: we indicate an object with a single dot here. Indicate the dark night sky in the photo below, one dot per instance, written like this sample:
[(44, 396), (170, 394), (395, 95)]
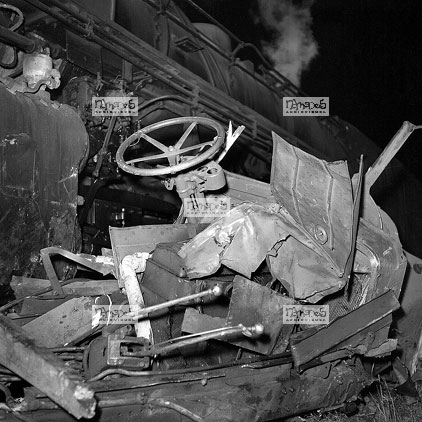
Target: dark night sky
[(369, 62), (370, 65)]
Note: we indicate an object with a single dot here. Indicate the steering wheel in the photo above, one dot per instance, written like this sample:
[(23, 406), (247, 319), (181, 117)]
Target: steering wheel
[(172, 153)]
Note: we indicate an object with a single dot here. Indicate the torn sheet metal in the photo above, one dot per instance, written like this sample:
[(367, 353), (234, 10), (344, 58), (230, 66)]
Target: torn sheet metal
[(307, 239), (341, 332), (196, 322), (409, 323), (379, 265), (36, 306), (62, 325), (250, 303), (241, 188), (240, 240), (302, 272), (249, 233), (101, 265), (253, 303), (380, 250), (310, 264), (318, 195), (24, 286)]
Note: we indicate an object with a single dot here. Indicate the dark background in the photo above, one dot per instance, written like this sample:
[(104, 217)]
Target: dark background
[(369, 61)]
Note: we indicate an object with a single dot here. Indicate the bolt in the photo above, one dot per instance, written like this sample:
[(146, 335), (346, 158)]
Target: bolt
[(320, 234), (217, 290)]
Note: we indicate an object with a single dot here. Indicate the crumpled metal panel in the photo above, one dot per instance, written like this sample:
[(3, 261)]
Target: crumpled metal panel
[(42, 144), (247, 235), (318, 195), (409, 323), (240, 240), (307, 240), (383, 252), (252, 303), (304, 273)]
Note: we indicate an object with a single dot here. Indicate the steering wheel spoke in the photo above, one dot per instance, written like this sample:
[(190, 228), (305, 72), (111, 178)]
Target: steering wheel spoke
[(148, 158), (153, 141), (170, 154), (182, 140)]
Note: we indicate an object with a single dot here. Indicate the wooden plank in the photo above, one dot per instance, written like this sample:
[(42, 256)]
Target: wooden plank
[(44, 371), (63, 324)]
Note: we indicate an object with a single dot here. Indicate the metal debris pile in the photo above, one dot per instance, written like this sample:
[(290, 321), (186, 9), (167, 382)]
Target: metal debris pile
[(273, 309)]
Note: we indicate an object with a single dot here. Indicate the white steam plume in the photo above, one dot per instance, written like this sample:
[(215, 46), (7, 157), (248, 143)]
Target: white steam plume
[(294, 46)]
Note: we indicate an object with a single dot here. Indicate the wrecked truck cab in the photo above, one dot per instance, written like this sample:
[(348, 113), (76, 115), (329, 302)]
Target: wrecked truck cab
[(261, 301), (264, 312)]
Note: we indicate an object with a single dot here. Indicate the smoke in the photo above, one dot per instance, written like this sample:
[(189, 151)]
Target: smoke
[(294, 46)]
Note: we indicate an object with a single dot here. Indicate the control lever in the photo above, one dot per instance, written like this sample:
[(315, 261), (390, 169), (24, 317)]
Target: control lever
[(218, 334), (144, 312)]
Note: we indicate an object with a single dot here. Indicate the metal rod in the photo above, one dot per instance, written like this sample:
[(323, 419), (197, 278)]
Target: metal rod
[(215, 291), (67, 349), (130, 265), (159, 402), (174, 375), (103, 151), (112, 10), (219, 333), (17, 40), (388, 153)]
